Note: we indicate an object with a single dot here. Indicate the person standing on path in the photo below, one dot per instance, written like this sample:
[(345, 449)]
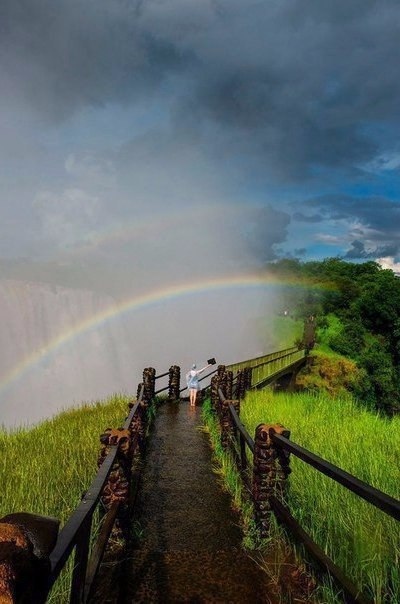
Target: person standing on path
[(192, 381)]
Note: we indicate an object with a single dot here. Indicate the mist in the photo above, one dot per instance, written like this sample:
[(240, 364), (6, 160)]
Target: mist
[(155, 147), (167, 224)]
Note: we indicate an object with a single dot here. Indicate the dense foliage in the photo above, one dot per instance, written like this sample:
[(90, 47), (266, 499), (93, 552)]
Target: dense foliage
[(358, 315)]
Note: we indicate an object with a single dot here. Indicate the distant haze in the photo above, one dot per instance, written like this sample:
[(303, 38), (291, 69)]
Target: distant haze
[(57, 349), (145, 145)]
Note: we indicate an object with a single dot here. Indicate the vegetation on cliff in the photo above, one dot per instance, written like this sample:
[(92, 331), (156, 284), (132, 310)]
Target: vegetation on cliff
[(357, 309)]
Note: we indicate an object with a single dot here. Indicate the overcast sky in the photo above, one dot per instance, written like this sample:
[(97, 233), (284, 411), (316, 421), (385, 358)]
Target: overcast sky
[(152, 134)]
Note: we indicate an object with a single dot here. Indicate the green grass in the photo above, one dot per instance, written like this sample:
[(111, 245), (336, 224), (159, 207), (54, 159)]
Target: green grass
[(362, 540), (46, 469), (281, 332), (331, 330), (272, 554), (225, 467)]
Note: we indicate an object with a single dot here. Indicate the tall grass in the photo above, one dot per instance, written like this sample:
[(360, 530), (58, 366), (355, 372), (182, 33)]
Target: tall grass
[(362, 540), (46, 469), (226, 468)]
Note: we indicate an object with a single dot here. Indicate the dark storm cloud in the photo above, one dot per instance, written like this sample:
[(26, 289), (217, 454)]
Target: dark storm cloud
[(373, 220), (291, 84), (266, 228), (358, 251), (66, 55), (378, 213)]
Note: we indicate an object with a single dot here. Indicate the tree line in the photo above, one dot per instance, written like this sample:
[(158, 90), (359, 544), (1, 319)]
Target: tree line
[(357, 310)]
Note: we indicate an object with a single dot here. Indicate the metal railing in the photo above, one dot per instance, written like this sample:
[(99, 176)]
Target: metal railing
[(235, 437), (103, 510), (260, 360), (76, 533)]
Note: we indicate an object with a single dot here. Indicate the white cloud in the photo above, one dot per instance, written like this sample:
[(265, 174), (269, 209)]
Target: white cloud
[(390, 263), (386, 161)]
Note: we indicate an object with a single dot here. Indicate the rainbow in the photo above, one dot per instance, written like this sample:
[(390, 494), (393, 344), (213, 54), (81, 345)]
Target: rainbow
[(162, 295)]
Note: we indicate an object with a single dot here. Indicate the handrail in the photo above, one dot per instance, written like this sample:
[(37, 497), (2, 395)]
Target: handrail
[(157, 377), (276, 358), (248, 440), (208, 375), (161, 390), (381, 500), (286, 517), (273, 376), (165, 387), (69, 535), (263, 356)]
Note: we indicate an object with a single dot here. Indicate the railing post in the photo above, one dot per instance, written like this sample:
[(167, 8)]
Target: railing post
[(270, 471), (221, 373), (229, 384), (226, 422), (136, 431), (138, 425), (26, 541), (174, 383), (117, 487), (149, 382), (214, 393)]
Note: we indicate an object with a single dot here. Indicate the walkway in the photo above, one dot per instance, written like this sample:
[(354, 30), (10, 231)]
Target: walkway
[(190, 545)]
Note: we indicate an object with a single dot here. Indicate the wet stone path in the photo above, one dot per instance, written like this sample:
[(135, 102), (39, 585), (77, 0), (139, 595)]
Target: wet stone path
[(189, 546)]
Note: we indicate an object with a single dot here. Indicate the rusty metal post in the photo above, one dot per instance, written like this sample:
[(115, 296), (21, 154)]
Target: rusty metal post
[(136, 429), (214, 393), (270, 471), (228, 384), (174, 383), (226, 422), (149, 382), (149, 386), (139, 424), (26, 541), (222, 381), (221, 370), (117, 487)]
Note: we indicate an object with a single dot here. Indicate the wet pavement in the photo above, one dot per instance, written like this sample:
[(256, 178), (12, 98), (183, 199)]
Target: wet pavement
[(189, 542)]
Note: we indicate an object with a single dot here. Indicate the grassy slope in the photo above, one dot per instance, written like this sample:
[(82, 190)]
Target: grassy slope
[(361, 539), (46, 469)]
